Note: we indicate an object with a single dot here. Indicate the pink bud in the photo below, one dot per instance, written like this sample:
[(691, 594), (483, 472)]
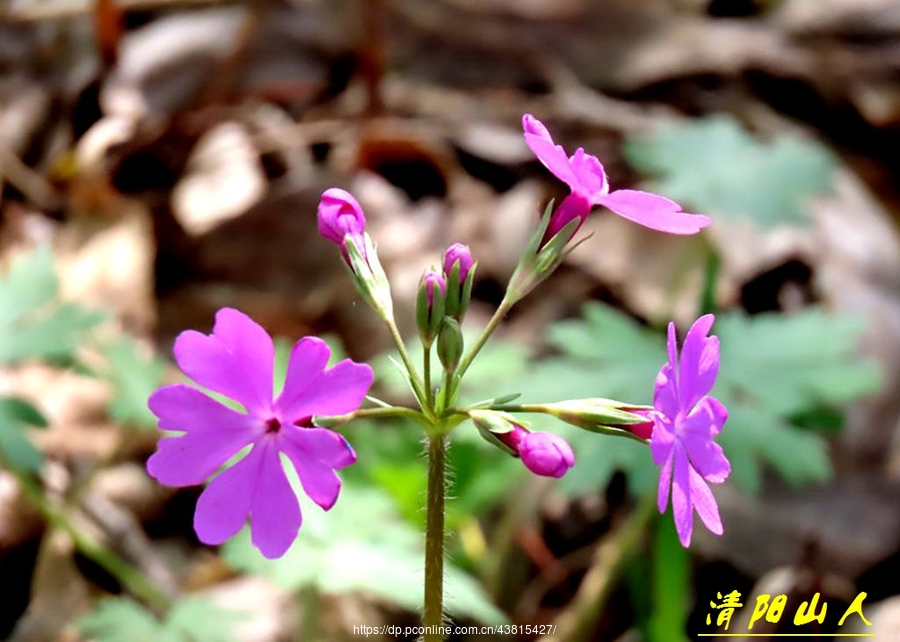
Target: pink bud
[(339, 215), (645, 430), (433, 281), (543, 453), (458, 253)]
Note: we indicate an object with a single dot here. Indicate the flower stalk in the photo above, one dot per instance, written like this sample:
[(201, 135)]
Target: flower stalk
[(433, 615)]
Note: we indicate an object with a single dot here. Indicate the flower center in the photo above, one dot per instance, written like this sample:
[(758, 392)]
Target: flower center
[(273, 425)]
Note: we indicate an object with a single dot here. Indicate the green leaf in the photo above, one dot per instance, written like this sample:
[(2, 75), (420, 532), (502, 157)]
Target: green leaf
[(34, 324), (792, 360), (198, 619), (16, 415), (134, 376), (191, 619), (712, 165), (361, 545), (120, 620)]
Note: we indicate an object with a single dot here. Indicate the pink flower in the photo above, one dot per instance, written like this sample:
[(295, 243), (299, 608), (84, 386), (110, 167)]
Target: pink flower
[(585, 176), (686, 421), (340, 216), (458, 253), (236, 360), (543, 453)]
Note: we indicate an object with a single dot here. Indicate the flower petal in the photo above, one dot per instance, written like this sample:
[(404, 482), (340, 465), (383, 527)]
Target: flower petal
[(223, 508), (590, 174), (315, 452), (705, 504), (339, 390), (662, 439), (682, 500), (183, 407), (322, 445), (699, 362), (696, 434), (665, 392), (718, 413), (192, 458), (275, 513), (235, 360), (672, 350), (665, 481), (653, 211), (214, 434), (307, 362), (551, 155)]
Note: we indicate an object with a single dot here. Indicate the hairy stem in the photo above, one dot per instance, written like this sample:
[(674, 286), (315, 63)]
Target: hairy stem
[(433, 616)]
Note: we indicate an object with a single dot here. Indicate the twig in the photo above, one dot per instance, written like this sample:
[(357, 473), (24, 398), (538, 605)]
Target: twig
[(40, 11), (576, 622), (34, 186)]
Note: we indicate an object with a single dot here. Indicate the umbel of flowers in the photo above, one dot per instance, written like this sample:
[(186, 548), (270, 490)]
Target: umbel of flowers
[(236, 361)]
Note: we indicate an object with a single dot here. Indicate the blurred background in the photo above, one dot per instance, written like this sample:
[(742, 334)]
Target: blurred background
[(160, 159)]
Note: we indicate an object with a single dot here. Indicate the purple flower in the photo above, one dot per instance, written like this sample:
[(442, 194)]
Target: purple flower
[(685, 421), (433, 281), (543, 453), (340, 215), (585, 176), (236, 360), (458, 253)]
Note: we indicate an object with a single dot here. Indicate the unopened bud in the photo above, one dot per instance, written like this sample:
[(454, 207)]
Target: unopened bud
[(340, 216), (450, 344), (430, 306), (459, 270)]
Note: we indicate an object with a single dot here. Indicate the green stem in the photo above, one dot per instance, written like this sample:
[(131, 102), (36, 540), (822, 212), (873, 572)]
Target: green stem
[(309, 622), (448, 393), (433, 615), (374, 413), (499, 313), (711, 273), (426, 365), (417, 385), (129, 577), (536, 408)]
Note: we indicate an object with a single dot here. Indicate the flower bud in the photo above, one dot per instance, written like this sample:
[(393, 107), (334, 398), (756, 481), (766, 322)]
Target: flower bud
[(458, 254), (450, 344), (430, 306), (432, 282), (460, 273), (340, 216), (546, 453), (341, 221), (602, 415), (543, 453)]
